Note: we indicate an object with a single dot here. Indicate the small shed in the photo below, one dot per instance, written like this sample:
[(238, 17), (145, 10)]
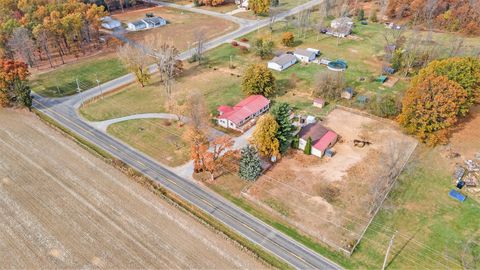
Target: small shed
[(305, 56), (329, 152), (317, 52), (362, 99), (319, 103), (347, 93), (382, 78)]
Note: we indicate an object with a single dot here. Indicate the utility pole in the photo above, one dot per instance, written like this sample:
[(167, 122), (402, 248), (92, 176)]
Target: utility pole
[(79, 91), (98, 85), (388, 250)]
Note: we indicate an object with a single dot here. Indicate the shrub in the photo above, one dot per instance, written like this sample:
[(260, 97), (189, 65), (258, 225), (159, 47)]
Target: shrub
[(244, 49), (234, 43), (244, 39), (308, 147), (288, 39)]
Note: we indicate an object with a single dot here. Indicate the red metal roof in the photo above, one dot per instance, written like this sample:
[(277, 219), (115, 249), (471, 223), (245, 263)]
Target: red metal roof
[(224, 109), (244, 108), (325, 141)]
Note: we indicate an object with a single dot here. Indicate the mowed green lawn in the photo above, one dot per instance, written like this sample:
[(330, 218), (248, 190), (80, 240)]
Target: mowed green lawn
[(155, 138), (62, 81)]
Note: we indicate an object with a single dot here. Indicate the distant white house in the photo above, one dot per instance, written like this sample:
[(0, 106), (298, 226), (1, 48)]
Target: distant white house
[(305, 56), (242, 3), (341, 27), (109, 23), (282, 62), (146, 23)]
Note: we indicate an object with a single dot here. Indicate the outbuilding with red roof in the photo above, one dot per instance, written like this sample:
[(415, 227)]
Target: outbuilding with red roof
[(322, 138)]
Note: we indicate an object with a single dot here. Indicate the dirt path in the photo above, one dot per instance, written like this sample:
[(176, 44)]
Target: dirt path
[(61, 207)]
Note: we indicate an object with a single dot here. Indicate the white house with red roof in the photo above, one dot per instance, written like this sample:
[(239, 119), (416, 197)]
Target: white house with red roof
[(322, 138), (237, 116)]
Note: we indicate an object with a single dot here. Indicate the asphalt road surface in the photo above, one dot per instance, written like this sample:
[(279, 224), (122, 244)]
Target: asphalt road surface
[(64, 111)]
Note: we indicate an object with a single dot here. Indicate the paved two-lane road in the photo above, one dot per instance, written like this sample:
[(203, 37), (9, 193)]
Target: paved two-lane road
[(64, 111)]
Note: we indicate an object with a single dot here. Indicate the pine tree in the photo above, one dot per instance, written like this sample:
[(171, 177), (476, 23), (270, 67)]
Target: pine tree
[(285, 131), (250, 168), (295, 142), (308, 147)]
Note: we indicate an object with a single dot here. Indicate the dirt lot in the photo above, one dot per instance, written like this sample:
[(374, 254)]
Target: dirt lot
[(181, 27), (61, 207), (324, 197)]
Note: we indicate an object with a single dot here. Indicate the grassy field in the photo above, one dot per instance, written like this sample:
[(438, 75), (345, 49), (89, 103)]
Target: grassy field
[(181, 26), (155, 138), (133, 99), (105, 68)]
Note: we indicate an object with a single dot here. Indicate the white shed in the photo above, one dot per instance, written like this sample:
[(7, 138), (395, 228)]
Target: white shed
[(305, 56)]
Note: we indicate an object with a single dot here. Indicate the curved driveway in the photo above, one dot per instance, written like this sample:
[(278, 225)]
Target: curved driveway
[(64, 111)]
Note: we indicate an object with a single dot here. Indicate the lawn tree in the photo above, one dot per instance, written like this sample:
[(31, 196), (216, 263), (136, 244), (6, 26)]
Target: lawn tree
[(329, 85), (308, 147), (361, 15), (177, 105), (198, 146), (221, 157), (373, 16), (212, 3), (169, 67), (303, 22), (250, 168), (14, 89), (288, 39), (199, 48), (258, 80), (21, 43), (431, 107), (263, 47), (259, 6), (385, 106), (264, 136), (136, 61), (282, 113)]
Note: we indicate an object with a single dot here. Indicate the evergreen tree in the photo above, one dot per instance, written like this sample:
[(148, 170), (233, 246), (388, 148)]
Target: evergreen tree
[(308, 147), (295, 142), (361, 15), (250, 168), (285, 131)]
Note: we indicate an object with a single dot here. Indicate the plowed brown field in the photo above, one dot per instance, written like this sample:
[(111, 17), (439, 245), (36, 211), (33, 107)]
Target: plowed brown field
[(61, 207)]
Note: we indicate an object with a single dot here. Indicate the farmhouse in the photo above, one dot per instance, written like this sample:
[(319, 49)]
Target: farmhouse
[(282, 62), (109, 23), (340, 27), (146, 23), (237, 116), (322, 138), (305, 56)]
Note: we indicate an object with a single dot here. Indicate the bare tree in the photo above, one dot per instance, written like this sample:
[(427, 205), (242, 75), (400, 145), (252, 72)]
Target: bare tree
[(197, 110), (21, 43), (169, 66), (329, 85), (199, 46), (135, 60)]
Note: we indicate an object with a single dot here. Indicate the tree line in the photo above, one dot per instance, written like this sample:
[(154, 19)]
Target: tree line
[(450, 15), (32, 31)]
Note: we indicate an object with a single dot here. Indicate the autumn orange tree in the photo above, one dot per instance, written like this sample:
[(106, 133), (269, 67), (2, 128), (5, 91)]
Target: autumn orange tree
[(431, 107), (14, 89), (463, 70)]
